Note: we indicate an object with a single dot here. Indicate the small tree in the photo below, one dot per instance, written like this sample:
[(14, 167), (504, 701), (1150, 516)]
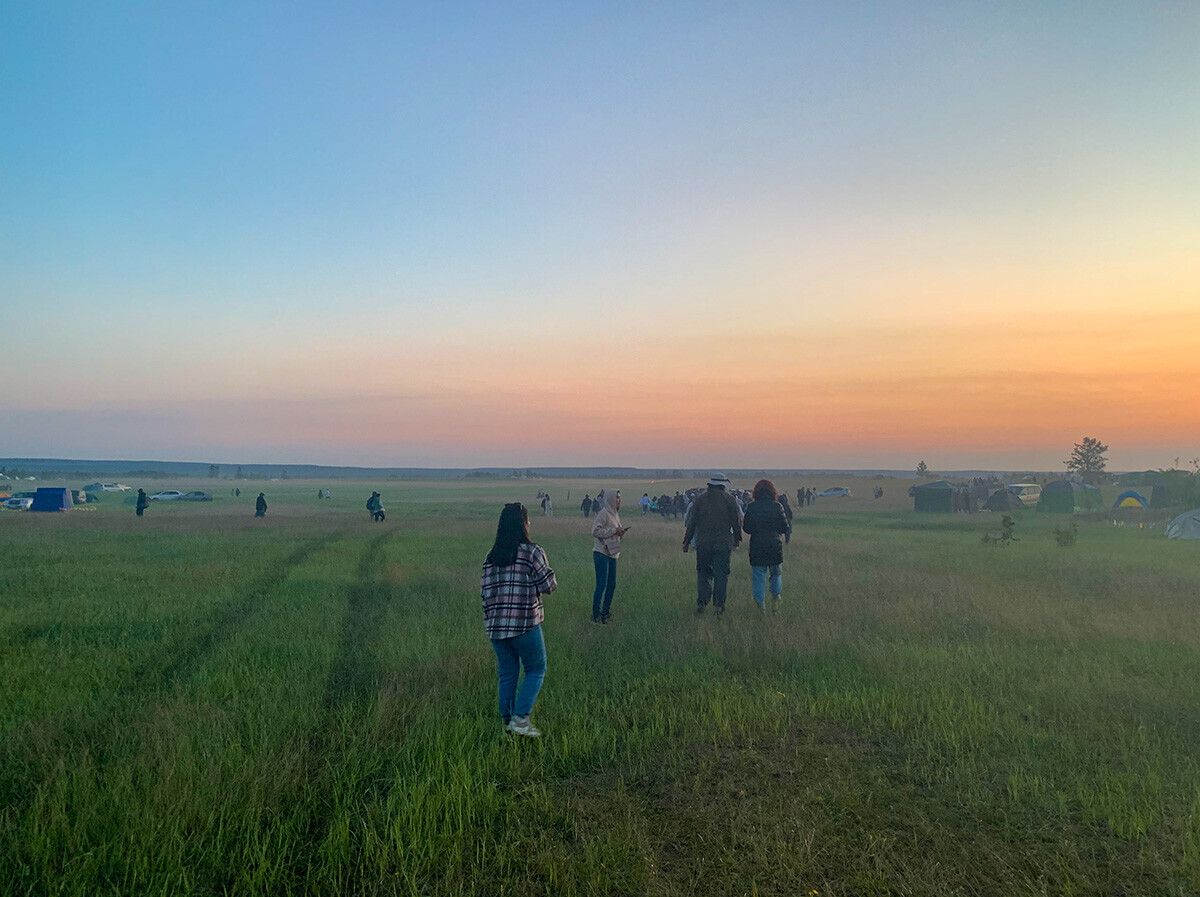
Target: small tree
[(922, 469), (1087, 459), (214, 472)]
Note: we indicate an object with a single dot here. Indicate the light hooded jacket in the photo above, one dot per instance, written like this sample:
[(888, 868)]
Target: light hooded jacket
[(604, 530)]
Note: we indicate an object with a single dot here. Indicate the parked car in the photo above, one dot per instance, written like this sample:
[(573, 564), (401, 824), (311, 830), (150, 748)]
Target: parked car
[(1029, 493), (834, 492), (197, 495), (166, 495), (18, 504)]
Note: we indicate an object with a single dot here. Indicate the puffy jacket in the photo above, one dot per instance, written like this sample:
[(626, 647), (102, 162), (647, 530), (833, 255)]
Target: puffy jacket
[(766, 524)]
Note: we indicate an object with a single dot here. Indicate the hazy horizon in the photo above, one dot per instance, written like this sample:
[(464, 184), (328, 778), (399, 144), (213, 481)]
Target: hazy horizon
[(854, 235)]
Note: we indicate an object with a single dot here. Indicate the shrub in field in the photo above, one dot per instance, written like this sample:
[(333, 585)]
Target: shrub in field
[(1005, 536), (1064, 537)]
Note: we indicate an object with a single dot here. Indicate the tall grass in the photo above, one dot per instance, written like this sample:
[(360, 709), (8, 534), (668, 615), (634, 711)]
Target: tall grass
[(207, 705)]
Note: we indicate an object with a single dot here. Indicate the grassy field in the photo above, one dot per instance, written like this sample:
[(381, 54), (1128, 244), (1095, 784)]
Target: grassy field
[(198, 702)]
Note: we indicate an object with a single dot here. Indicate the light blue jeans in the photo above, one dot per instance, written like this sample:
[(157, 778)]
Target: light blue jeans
[(525, 650), (758, 582)]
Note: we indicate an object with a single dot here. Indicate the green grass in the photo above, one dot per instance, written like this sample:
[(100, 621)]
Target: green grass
[(201, 703)]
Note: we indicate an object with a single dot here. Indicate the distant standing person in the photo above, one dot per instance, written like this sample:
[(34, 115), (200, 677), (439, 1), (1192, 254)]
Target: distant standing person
[(320, 494), (586, 506), (607, 533), (260, 505), (715, 524), (547, 505), (142, 502), (787, 512), (375, 506), (327, 493), (766, 524), (516, 575)]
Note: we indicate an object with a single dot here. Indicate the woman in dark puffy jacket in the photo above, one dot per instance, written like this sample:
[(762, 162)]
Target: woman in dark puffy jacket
[(767, 525)]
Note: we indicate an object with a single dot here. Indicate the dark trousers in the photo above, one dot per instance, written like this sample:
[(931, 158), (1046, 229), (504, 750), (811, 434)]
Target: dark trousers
[(712, 576), (606, 583), (139, 511)]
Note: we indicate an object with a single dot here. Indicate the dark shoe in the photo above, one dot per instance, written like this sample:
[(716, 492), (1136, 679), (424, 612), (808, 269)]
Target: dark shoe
[(597, 620), (700, 611), (720, 612), (604, 618)]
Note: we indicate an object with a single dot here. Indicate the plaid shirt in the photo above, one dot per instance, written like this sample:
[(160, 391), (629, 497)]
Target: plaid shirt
[(512, 596)]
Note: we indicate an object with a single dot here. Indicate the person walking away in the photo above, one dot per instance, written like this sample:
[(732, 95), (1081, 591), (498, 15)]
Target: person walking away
[(586, 506), (516, 574), (767, 525), (142, 502), (548, 506), (644, 503), (714, 524), (787, 512), (260, 505), (607, 533), (375, 506)]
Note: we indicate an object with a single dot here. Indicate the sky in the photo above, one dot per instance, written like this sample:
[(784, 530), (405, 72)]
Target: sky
[(804, 235)]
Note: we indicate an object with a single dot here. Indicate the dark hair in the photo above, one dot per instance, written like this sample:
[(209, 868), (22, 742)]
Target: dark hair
[(511, 534), (765, 489)]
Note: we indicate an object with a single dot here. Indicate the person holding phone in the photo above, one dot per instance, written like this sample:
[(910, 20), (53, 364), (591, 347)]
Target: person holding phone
[(607, 533)]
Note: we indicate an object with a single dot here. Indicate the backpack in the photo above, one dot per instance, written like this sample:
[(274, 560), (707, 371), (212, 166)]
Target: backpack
[(371, 503)]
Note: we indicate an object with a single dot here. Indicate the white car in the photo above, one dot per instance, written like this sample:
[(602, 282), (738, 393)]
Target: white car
[(166, 495), (835, 492), (18, 504)]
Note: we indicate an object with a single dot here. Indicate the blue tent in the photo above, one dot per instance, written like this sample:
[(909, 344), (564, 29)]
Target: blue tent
[(1131, 499), (51, 498)]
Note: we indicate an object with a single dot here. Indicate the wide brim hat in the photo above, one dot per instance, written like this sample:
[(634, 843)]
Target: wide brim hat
[(718, 479)]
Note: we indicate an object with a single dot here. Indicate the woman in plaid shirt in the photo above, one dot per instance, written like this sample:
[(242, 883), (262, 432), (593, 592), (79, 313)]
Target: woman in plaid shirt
[(515, 576)]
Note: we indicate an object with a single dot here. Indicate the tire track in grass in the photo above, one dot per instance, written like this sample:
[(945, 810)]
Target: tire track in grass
[(222, 624), (355, 669), (28, 759)]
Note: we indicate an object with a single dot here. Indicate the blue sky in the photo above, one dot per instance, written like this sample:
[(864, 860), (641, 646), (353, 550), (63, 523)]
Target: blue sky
[(222, 203)]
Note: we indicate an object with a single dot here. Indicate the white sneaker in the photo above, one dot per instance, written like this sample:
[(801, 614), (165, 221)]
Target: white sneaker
[(520, 725)]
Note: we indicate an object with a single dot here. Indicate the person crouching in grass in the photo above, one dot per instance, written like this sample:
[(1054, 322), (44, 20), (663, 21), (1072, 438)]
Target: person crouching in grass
[(516, 575)]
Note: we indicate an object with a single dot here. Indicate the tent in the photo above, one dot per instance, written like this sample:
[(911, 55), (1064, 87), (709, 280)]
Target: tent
[(51, 498), (934, 498), (1131, 499), (1185, 526), (1067, 497), (1003, 500)]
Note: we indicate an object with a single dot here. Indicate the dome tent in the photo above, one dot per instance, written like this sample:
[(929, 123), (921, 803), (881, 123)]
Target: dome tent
[(1185, 526), (934, 498), (50, 498), (1003, 500), (1067, 497), (1131, 499)]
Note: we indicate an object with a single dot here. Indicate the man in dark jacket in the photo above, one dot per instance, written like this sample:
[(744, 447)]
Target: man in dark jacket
[(586, 505), (142, 502), (766, 523), (260, 505), (714, 523)]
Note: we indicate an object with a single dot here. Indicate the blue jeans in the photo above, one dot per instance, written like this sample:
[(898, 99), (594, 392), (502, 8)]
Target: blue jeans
[(528, 650), (758, 582), (606, 583)]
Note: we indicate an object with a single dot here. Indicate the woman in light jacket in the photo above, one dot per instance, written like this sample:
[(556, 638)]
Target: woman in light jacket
[(607, 533)]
